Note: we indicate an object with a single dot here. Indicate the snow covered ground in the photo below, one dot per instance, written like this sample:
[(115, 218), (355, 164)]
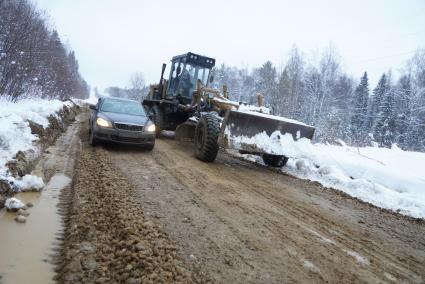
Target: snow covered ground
[(15, 133), (389, 178)]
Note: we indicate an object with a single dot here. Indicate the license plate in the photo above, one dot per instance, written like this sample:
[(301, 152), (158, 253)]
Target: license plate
[(128, 134)]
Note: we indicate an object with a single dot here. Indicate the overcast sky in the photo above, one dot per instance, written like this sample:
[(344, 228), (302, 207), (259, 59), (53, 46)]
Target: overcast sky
[(115, 38)]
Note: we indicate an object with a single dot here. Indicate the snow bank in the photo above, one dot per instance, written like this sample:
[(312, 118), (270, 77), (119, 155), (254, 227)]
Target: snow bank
[(388, 178), (15, 133)]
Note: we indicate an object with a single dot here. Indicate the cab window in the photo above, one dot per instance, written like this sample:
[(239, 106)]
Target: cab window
[(174, 80)]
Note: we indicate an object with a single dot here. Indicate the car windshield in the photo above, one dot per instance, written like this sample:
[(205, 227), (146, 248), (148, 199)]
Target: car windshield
[(126, 107)]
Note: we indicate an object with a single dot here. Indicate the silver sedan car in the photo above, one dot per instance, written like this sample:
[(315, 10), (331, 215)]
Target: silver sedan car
[(121, 121)]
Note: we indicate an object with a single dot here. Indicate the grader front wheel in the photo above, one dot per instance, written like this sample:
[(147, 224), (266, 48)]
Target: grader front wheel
[(206, 138)]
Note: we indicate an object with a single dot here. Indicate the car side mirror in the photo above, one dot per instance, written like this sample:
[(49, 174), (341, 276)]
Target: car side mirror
[(93, 107)]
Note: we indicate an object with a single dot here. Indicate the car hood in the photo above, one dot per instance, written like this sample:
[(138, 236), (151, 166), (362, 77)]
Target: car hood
[(126, 118)]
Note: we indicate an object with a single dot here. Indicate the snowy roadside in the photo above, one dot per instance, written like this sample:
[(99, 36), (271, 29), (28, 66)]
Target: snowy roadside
[(16, 136), (388, 178)]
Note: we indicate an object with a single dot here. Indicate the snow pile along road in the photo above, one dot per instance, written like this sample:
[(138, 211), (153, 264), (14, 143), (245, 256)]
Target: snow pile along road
[(15, 133), (389, 178)]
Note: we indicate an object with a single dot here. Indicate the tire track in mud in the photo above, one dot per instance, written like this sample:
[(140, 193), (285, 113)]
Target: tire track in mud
[(279, 227)]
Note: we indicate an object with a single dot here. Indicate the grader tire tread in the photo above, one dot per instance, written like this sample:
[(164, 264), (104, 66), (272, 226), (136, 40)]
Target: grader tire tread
[(207, 152)]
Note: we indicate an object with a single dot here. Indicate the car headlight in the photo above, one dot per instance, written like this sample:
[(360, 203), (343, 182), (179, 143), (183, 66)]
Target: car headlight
[(103, 122), (150, 128)]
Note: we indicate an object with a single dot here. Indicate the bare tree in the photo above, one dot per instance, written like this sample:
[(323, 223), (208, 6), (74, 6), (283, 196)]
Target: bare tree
[(137, 85)]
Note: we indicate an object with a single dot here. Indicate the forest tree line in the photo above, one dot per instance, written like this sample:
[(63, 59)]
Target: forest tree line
[(33, 60), (339, 106)]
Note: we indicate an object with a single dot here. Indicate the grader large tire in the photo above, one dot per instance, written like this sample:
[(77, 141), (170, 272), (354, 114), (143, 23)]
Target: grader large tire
[(158, 119), (206, 138), (276, 161)]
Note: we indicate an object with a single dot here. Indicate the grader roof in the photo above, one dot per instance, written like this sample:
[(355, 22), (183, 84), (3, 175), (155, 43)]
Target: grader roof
[(195, 59)]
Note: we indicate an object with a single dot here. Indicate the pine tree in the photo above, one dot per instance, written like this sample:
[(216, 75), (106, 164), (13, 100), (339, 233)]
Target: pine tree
[(384, 130), (283, 90), (312, 92), (416, 132), (374, 103), (295, 70), (402, 112), (266, 82), (359, 115), (343, 93)]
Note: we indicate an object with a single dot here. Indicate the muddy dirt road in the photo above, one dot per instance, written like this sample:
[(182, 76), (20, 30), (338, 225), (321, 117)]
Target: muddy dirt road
[(227, 222), (239, 222)]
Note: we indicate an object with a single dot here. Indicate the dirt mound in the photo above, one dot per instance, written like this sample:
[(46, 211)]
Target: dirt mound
[(107, 239)]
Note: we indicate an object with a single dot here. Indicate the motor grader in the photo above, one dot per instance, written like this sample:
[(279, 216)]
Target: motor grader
[(187, 105)]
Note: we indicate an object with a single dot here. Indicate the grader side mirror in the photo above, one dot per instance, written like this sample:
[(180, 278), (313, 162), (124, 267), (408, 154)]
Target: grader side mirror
[(179, 70)]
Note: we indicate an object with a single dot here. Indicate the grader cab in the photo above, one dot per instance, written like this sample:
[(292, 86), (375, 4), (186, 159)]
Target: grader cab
[(167, 99)]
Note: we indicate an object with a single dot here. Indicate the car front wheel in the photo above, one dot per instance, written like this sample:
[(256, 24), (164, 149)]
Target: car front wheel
[(92, 139)]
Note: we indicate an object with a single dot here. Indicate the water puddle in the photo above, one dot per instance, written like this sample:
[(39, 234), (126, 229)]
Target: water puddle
[(25, 248)]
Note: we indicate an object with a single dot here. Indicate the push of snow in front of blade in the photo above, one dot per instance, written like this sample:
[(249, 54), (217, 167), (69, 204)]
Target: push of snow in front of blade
[(388, 178)]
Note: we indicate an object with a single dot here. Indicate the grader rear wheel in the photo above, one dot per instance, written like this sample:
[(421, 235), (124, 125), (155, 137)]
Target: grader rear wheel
[(206, 138)]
